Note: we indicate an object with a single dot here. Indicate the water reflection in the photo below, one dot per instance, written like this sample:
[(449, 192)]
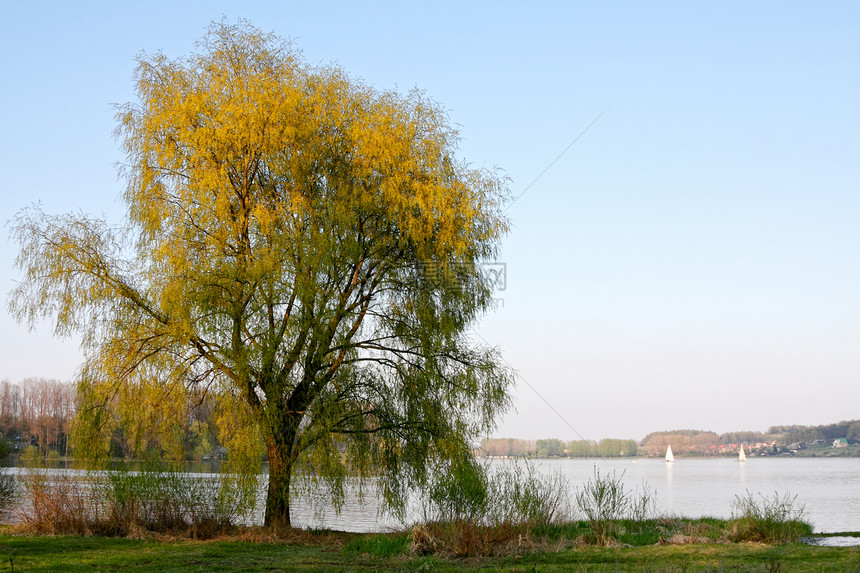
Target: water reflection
[(669, 505)]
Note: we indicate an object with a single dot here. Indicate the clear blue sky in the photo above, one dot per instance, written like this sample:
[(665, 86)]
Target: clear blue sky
[(692, 261)]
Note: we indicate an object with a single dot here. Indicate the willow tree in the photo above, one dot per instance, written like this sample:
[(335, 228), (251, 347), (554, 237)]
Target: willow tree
[(299, 244)]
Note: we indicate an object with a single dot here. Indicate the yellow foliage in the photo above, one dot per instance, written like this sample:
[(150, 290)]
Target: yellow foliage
[(283, 218)]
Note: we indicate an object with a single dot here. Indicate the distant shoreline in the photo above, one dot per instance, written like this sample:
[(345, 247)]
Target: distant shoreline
[(828, 452), (840, 439)]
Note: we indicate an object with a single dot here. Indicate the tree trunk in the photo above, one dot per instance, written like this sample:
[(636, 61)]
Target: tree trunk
[(278, 495)]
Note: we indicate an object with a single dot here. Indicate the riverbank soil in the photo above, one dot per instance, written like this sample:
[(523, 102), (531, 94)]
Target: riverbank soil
[(327, 551)]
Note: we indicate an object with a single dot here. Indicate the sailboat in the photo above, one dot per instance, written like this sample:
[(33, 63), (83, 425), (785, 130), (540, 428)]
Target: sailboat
[(742, 457), (669, 456)]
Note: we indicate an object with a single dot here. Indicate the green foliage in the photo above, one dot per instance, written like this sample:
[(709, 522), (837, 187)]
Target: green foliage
[(303, 248), (5, 450), (605, 448), (615, 448), (776, 519), (550, 448), (30, 457), (581, 449), (459, 494)]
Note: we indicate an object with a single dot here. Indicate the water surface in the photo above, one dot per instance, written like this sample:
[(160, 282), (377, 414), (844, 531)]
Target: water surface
[(829, 489)]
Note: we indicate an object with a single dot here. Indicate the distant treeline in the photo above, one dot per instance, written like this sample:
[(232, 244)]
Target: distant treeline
[(791, 434), (606, 448), (690, 442), (37, 413)]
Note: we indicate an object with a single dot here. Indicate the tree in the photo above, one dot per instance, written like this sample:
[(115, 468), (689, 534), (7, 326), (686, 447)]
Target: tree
[(580, 449), (301, 245), (549, 447), (853, 433)]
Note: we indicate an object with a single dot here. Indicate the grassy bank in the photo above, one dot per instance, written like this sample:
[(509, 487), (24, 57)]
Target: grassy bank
[(326, 551)]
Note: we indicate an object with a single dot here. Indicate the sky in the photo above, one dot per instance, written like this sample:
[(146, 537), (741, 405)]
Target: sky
[(685, 250)]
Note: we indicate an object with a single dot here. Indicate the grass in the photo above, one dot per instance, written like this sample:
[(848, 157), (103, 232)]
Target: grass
[(332, 551), (380, 544)]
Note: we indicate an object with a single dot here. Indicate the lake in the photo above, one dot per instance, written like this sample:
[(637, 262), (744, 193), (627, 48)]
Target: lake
[(829, 488)]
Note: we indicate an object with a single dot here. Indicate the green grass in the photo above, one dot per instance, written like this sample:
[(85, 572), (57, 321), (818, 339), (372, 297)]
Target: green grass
[(380, 544), (386, 552)]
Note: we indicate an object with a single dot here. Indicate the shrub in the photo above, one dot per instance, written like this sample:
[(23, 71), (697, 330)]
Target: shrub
[(478, 510), (612, 511), (604, 502), (58, 503), (458, 493), (8, 483), (465, 538), (519, 495), (123, 502), (161, 500), (643, 504), (771, 520)]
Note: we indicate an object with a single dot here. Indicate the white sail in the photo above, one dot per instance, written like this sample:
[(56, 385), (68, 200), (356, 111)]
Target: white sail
[(669, 456), (742, 457)]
